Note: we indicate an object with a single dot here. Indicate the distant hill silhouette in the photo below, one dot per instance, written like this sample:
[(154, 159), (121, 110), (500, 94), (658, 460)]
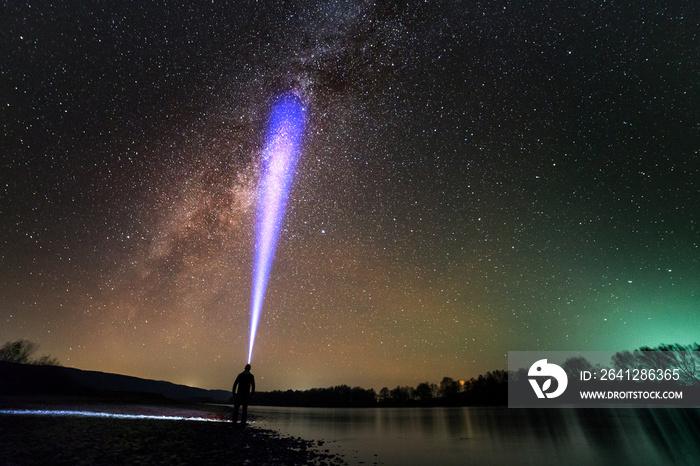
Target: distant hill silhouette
[(27, 379)]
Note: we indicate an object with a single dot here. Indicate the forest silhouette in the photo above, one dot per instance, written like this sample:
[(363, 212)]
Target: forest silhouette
[(486, 389)]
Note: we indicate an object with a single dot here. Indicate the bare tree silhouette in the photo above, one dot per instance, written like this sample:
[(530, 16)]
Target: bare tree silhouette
[(574, 366), (21, 351), (686, 359)]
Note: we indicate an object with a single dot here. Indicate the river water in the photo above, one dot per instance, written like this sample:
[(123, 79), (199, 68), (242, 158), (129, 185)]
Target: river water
[(494, 435)]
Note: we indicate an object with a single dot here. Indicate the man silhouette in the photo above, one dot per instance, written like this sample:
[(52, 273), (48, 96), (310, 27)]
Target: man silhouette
[(245, 383)]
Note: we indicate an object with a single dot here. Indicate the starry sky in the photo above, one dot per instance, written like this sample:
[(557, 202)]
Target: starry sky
[(476, 177)]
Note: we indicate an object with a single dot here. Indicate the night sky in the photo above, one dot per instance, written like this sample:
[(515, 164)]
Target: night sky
[(476, 178)]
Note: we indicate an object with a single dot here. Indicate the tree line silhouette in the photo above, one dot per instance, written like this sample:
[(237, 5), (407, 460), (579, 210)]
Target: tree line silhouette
[(490, 388), (486, 389), (685, 359)]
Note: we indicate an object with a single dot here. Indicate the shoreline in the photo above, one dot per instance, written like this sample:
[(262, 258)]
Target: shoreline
[(73, 439)]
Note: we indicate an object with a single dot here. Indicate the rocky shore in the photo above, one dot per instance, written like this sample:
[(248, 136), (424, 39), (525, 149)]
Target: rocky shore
[(29, 439)]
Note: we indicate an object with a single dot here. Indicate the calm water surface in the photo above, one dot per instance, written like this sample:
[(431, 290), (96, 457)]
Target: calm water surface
[(416, 436)]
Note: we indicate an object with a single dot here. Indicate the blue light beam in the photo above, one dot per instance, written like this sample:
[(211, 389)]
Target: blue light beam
[(280, 156), (75, 413)]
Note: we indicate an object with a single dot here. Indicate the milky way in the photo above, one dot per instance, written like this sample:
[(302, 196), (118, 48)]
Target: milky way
[(477, 178)]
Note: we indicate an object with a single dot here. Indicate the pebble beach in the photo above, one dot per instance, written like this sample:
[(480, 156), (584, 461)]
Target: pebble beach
[(27, 438)]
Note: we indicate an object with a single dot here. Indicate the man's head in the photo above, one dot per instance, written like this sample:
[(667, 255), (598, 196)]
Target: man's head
[(247, 367)]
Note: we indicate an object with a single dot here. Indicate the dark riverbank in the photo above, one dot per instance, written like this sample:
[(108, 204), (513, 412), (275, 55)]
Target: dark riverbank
[(29, 439)]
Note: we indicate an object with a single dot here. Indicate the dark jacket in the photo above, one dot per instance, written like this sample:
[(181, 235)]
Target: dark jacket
[(245, 382)]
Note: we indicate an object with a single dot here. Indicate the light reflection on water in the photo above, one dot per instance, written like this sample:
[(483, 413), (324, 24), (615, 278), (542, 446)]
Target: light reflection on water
[(100, 414), (495, 435)]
